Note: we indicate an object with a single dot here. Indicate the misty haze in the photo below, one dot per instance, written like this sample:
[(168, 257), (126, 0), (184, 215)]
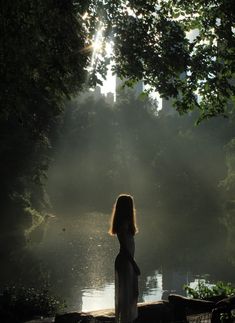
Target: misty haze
[(103, 99), (178, 174)]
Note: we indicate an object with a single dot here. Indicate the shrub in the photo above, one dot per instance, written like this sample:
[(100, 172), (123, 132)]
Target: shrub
[(24, 303), (204, 290)]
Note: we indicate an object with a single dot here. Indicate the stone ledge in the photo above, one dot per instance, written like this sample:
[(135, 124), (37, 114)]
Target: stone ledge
[(178, 308), (151, 312)]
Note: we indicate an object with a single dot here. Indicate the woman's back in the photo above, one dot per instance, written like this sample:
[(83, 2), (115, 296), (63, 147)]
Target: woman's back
[(126, 239), (126, 269)]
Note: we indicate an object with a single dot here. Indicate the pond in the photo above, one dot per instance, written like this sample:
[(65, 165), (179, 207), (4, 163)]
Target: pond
[(79, 259)]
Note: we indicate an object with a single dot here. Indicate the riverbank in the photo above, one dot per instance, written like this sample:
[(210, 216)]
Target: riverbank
[(151, 312), (148, 312)]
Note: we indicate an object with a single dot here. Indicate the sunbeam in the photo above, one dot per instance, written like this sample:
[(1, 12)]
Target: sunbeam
[(97, 47)]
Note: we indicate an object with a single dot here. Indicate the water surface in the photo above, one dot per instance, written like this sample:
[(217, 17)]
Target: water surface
[(79, 256)]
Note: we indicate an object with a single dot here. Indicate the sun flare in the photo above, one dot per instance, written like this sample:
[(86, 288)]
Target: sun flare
[(98, 42), (97, 46)]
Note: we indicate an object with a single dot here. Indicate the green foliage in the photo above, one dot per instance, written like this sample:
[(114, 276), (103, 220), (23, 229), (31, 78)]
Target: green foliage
[(227, 317), (25, 303), (42, 62), (203, 290), (152, 42), (37, 220)]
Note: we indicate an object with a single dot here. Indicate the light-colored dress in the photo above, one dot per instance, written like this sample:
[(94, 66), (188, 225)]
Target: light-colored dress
[(126, 278)]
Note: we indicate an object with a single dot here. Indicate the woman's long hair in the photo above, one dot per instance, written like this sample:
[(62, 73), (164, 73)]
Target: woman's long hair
[(123, 212)]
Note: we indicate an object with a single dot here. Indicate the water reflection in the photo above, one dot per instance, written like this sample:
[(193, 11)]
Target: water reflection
[(174, 281), (154, 288), (79, 256), (97, 299), (102, 298)]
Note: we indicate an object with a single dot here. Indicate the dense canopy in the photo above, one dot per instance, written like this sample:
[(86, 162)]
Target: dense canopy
[(183, 49)]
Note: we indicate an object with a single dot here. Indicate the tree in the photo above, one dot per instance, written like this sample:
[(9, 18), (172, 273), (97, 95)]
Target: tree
[(151, 42), (42, 61), (228, 189)]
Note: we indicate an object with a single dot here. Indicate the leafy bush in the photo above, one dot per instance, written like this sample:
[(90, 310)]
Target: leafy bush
[(24, 303), (204, 290)]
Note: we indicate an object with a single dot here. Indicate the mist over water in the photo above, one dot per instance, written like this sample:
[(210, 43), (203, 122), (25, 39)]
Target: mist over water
[(172, 168), (181, 179), (79, 256)]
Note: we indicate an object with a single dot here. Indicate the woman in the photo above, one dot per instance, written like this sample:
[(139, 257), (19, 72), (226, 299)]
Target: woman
[(123, 223)]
